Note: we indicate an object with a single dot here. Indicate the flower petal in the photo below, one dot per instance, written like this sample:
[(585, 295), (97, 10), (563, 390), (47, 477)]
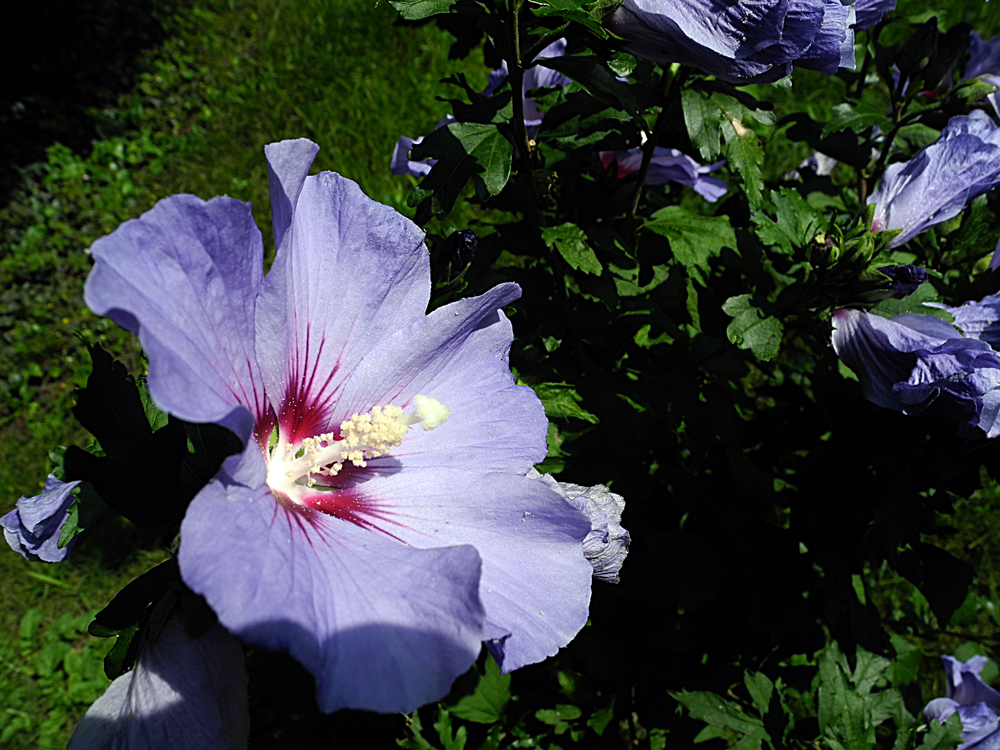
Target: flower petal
[(964, 684), (383, 627), (34, 526), (185, 692), (349, 272), (185, 276), (288, 165), (535, 580)]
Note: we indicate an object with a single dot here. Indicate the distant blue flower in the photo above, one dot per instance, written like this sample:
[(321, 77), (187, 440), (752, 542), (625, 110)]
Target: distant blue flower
[(905, 279), (536, 77), (870, 12), (757, 41), (606, 546), (34, 526), (186, 691), (910, 361), (976, 703), (377, 545), (670, 165), (941, 179)]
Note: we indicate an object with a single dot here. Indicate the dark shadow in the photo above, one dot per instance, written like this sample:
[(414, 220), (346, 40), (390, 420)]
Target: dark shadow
[(60, 59)]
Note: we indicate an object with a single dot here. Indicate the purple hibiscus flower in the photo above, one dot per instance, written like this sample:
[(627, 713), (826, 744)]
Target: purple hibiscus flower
[(34, 526), (976, 703), (940, 180), (536, 77), (870, 12), (187, 690), (606, 546), (670, 165), (910, 361), (376, 543), (748, 42), (984, 60)]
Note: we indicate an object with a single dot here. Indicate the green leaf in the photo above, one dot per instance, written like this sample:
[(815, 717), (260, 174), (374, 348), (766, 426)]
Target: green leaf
[(744, 154), (752, 330), (595, 76), (157, 417), (914, 303), (760, 687), (947, 736), (414, 10), (906, 665), (858, 117), (717, 712), (702, 119), (795, 226), (600, 718), (86, 511), (562, 400), (488, 700), (443, 727), (571, 242), (572, 10), (693, 239)]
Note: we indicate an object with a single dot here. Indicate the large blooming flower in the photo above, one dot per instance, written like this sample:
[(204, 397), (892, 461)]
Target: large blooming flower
[(940, 180), (910, 361), (376, 545), (976, 703), (745, 41)]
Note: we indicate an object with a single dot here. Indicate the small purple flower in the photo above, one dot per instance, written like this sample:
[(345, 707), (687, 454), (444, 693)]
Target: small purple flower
[(905, 279), (378, 555), (984, 60), (870, 12), (976, 703), (185, 691), (34, 526), (670, 165), (536, 77), (941, 179), (606, 546), (748, 42), (910, 361)]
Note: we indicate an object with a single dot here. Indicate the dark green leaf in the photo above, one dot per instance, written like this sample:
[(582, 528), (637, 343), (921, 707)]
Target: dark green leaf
[(717, 712), (858, 117), (913, 303), (693, 239), (571, 242), (947, 736), (599, 80), (571, 10), (703, 120), (760, 687), (131, 603), (796, 225), (157, 417), (600, 718), (487, 702), (87, 511), (744, 154), (751, 329)]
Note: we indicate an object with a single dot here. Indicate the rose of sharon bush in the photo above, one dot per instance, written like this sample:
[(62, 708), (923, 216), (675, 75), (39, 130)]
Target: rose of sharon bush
[(940, 180), (359, 530), (910, 361), (976, 703), (756, 41)]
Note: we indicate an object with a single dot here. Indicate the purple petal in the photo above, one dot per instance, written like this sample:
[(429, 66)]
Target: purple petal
[(980, 320), (34, 526), (941, 179), (832, 47), (964, 685), (870, 12), (185, 276), (984, 56), (382, 626), (905, 279), (940, 709), (349, 272), (185, 692), (402, 164), (535, 579), (980, 725), (670, 165), (606, 546), (288, 164)]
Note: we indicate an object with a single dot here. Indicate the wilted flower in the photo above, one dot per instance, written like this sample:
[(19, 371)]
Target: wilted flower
[(976, 703), (34, 526), (910, 361), (536, 77), (741, 43), (940, 180), (379, 556), (606, 546), (187, 690), (670, 165)]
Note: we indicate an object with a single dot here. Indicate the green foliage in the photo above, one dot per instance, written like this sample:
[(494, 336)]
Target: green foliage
[(486, 704)]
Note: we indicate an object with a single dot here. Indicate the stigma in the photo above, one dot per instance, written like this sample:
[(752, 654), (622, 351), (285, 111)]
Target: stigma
[(362, 437)]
